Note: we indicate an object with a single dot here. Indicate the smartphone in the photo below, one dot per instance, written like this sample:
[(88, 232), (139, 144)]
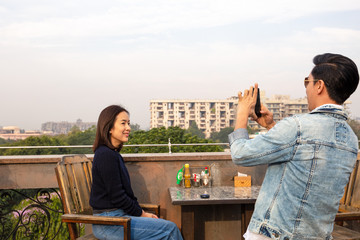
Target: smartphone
[(258, 104)]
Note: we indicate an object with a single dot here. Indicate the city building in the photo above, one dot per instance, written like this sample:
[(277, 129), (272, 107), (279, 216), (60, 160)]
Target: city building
[(209, 115), (65, 127), (15, 133), (214, 115)]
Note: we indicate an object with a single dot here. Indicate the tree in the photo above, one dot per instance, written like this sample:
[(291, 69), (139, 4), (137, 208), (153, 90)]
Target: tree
[(222, 135), (4, 141), (161, 136), (36, 141), (194, 130), (77, 137), (135, 127)]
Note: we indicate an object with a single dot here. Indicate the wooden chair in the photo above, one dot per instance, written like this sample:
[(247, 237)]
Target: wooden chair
[(74, 177), (349, 209)]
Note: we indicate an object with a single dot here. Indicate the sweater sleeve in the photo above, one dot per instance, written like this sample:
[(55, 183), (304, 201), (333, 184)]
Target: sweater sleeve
[(115, 184)]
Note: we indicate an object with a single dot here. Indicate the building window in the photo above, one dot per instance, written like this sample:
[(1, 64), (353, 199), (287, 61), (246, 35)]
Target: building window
[(191, 105), (160, 114)]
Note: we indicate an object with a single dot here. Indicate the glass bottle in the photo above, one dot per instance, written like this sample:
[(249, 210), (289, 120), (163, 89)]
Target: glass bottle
[(187, 176), (205, 177)]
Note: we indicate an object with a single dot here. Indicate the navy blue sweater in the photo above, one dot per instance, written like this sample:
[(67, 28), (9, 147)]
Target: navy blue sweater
[(111, 186)]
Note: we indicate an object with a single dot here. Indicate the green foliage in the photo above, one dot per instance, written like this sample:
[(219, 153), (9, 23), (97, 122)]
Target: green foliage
[(4, 141), (33, 214), (36, 141), (77, 137), (161, 136), (222, 135), (194, 130)]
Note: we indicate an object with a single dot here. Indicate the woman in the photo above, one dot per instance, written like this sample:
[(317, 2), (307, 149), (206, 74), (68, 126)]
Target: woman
[(111, 193)]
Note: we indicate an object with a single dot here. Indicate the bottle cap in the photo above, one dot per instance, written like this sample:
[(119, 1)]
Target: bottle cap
[(186, 165)]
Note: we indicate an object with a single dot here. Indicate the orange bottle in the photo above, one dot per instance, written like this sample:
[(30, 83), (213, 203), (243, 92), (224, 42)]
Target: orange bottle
[(187, 176)]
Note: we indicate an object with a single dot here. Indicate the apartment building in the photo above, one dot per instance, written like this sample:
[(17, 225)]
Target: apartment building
[(209, 115), (214, 115)]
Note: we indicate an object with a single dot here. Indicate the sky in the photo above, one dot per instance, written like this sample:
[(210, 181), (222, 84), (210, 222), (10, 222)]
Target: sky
[(65, 60)]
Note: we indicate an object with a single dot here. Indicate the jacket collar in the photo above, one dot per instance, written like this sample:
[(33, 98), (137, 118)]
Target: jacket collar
[(331, 109)]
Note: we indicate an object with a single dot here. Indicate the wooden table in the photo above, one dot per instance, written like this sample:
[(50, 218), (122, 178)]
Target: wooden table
[(224, 215)]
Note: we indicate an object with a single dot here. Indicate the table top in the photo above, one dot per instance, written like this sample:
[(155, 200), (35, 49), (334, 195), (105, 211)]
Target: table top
[(218, 195)]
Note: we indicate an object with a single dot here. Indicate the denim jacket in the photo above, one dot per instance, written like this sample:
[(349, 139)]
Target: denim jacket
[(310, 158)]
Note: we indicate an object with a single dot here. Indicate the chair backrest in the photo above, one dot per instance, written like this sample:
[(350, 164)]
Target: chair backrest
[(75, 179), (352, 190)]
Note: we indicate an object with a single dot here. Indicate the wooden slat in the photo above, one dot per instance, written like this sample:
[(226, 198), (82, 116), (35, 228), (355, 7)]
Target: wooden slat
[(91, 219), (347, 215), (64, 187), (87, 169), (72, 187), (81, 186), (355, 195), (71, 159), (152, 208), (342, 233)]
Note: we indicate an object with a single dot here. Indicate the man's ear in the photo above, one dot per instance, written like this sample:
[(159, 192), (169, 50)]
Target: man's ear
[(321, 86)]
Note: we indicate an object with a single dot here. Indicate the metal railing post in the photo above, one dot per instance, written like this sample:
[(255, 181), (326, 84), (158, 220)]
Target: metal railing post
[(169, 144)]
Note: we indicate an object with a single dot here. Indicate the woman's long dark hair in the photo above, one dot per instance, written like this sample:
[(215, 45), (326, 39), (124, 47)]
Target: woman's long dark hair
[(105, 123)]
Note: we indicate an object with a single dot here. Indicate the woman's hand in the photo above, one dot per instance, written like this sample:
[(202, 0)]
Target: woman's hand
[(149, 215)]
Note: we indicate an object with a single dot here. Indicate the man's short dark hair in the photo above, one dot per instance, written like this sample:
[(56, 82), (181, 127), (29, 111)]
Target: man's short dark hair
[(339, 73)]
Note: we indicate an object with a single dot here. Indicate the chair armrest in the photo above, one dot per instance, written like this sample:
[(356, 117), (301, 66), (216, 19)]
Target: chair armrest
[(91, 219), (149, 207), (347, 216)]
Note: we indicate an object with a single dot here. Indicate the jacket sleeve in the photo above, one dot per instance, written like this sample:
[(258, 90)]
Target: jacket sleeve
[(277, 145), (110, 171)]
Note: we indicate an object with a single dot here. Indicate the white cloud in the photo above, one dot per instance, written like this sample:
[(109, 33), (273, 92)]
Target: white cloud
[(141, 17)]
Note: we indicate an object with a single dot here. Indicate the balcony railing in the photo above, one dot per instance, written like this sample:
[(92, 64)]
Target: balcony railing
[(169, 145)]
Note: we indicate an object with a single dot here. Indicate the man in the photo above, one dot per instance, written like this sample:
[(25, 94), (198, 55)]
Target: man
[(309, 156)]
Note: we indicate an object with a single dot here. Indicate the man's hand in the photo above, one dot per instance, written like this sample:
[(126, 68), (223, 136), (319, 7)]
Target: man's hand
[(246, 106), (266, 120), (149, 215)]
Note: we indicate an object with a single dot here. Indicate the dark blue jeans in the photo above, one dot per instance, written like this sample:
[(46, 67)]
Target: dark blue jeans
[(141, 228)]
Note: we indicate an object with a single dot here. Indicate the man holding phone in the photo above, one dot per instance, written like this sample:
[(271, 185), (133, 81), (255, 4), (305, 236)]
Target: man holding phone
[(310, 156)]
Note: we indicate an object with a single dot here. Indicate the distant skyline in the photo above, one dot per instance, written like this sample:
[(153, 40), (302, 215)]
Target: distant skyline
[(65, 60)]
